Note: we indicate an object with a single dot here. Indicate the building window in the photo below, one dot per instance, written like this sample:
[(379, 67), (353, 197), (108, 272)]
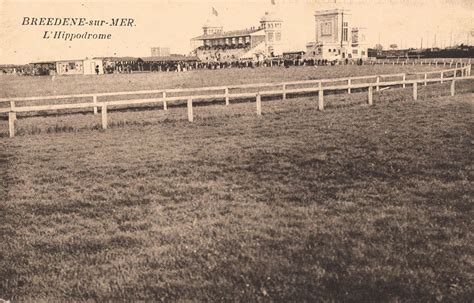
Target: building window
[(329, 50), (278, 36), (355, 52), (345, 31), (270, 37), (362, 53)]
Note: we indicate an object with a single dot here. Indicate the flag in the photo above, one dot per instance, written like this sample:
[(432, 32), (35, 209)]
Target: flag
[(273, 2), (214, 11)]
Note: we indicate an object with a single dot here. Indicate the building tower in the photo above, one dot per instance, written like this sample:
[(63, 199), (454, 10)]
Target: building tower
[(272, 25), (212, 27)]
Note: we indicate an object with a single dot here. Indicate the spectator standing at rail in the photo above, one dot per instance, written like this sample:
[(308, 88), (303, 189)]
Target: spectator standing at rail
[(97, 69)]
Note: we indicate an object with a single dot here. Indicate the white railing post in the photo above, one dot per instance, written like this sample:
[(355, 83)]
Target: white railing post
[(165, 106), (426, 76), (94, 100), (259, 104), (12, 106), (104, 116), (11, 124), (442, 77), (284, 91), (190, 110), (404, 79), (349, 84), (415, 91), (370, 100), (321, 99), (226, 96), (453, 88), (377, 88)]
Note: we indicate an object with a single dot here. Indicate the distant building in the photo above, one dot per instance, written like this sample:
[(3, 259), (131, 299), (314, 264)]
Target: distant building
[(336, 38), (160, 51), (71, 67), (255, 43)]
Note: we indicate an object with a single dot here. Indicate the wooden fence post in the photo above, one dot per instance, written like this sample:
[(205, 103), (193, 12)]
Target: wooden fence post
[(370, 97), (453, 89), (11, 124), (94, 100), (377, 88), (12, 106), (404, 79), (226, 96), (321, 99), (165, 107), (190, 110), (349, 84), (104, 116), (415, 91), (259, 104), (426, 76), (284, 91), (442, 77)]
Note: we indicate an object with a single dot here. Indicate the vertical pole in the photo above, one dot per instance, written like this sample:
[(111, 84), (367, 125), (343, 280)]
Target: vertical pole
[(442, 77), (404, 79), (94, 100), (321, 100), (284, 91), (377, 88), (426, 76), (349, 84), (190, 110), (415, 91), (104, 116), (436, 63), (11, 124), (226, 96), (165, 107), (259, 104), (453, 84), (12, 109), (371, 93)]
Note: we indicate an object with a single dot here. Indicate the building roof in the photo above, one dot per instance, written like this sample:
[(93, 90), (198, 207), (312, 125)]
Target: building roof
[(170, 58), (270, 16), (58, 61), (118, 59), (229, 34)]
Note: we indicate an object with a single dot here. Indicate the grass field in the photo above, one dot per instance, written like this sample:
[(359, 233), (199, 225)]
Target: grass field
[(38, 86), (356, 203)]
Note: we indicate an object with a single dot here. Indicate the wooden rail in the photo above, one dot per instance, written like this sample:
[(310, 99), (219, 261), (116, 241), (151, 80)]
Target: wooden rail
[(281, 89)]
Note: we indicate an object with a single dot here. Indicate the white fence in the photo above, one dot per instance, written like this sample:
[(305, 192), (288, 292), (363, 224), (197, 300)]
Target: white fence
[(225, 93)]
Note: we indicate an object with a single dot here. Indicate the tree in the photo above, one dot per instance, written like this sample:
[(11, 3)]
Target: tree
[(393, 46), (379, 47)]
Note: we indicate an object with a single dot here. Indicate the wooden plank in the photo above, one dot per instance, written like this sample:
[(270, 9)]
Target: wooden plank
[(11, 124), (415, 91), (371, 95), (165, 106), (94, 100), (104, 116), (321, 100), (453, 87), (190, 110), (259, 104)]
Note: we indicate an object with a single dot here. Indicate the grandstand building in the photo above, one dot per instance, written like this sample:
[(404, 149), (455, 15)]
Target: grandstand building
[(256, 43), (336, 38)]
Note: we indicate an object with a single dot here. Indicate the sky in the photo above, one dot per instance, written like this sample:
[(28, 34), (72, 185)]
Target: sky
[(172, 23)]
